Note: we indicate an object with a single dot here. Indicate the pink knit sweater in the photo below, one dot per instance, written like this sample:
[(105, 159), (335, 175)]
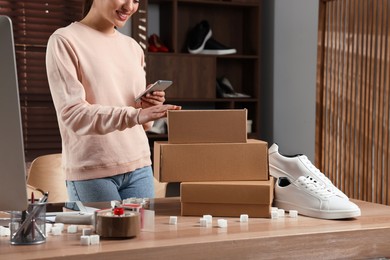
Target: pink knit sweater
[(93, 80)]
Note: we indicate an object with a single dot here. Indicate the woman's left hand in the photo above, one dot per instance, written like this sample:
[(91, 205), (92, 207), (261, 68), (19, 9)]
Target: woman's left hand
[(153, 99)]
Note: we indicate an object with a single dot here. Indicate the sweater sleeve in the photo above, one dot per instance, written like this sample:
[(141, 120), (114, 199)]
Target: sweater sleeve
[(69, 96)]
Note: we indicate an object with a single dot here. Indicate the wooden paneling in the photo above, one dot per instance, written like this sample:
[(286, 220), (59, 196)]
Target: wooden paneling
[(352, 124)]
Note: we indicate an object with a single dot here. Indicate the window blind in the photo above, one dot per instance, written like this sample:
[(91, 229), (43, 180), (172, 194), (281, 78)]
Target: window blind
[(33, 22)]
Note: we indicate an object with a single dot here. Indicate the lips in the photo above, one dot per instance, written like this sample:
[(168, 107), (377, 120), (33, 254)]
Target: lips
[(122, 16)]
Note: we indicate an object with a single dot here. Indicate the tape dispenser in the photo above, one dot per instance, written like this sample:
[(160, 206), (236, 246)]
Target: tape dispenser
[(122, 220)]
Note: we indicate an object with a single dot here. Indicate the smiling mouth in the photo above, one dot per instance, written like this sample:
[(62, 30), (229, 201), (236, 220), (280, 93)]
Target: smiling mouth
[(122, 16)]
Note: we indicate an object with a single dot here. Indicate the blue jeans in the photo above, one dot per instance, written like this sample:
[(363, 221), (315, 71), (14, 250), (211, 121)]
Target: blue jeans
[(138, 184)]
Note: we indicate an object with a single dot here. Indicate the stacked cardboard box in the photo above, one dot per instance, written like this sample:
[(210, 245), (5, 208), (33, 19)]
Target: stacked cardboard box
[(221, 172)]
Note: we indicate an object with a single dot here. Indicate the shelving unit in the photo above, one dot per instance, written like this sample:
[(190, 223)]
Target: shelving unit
[(235, 23)]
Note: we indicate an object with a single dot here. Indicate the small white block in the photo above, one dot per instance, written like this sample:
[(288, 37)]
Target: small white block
[(87, 232), (208, 218), (244, 218), (59, 225), (72, 229), (56, 231), (94, 239), (48, 227), (222, 223), (115, 203), (4, 232), (280, 213), (203, 222), (85, 240), (172, 220), (274, 208), (274, 214), (293, 213)]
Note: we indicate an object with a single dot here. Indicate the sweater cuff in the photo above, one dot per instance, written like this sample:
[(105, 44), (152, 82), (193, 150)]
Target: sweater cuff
[(137, 117)]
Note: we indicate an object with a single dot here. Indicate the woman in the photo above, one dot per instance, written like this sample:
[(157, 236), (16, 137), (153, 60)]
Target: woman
[(94, 73)]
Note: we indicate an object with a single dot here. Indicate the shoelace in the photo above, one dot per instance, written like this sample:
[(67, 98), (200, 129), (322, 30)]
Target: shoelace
[(318, 173), (313, 186)]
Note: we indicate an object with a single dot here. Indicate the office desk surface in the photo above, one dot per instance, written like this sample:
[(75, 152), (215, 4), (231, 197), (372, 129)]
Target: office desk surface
[(291, 238)]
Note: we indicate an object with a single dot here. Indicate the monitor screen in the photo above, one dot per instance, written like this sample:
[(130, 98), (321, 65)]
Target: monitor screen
[(13, 193)]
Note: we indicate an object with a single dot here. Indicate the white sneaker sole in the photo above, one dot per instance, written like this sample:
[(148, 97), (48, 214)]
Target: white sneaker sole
[(340, 214)]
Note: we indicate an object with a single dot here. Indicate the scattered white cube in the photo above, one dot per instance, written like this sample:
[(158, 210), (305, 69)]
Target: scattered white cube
[(208, 218), (293, 213), (172, 220), (94, 239), (274, 214), (274, 208), (60, 225), (4, 231), (56, 230), (72, 229), (222, 223), (280, 213), (115, 203), (48, 227), (87, 232), (244, 218), (203, 222), (85, 240)]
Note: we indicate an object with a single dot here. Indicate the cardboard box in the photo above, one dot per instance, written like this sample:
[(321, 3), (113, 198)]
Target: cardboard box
[(211, 162), (207, 126), (227, 199)]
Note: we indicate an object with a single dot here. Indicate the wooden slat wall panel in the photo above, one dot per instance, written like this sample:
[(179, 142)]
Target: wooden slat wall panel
[(353, 111)]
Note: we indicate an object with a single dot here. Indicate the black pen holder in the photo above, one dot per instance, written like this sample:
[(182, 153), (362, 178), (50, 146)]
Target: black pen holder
[(29, 227)]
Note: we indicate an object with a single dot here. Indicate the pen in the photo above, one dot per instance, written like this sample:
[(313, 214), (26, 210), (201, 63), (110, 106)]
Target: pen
[(44, 198), (33, 218)]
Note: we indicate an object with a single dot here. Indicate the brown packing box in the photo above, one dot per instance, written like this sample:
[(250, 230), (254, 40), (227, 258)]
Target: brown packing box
[(211, 162), (227, 199), (207, 126)]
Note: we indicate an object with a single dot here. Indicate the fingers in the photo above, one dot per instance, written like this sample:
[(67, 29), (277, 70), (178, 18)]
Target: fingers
[(163, 109), (154, 98), (155, 112)]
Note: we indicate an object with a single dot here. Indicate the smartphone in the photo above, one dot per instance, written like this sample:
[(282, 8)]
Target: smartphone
[(158, 85)]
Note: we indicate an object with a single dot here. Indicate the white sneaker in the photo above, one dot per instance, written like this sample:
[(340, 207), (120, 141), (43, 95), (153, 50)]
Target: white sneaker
[(293, 167), (312, 199)]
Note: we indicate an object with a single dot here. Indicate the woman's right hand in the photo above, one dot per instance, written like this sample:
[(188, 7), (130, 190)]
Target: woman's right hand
[(155, 112)]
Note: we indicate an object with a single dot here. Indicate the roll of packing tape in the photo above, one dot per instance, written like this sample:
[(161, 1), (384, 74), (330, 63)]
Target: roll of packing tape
[(109, 225)]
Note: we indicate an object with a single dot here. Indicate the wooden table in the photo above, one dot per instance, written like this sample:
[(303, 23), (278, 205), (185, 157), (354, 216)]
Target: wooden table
[(291, 238)]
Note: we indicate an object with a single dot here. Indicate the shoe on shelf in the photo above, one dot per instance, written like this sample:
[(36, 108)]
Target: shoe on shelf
[(226, 90), (312, 199), (155, 44), (213, 47), (198, 37), (296, 166)]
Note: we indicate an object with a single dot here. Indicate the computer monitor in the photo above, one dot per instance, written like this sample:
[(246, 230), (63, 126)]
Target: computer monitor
[(13, 193)]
